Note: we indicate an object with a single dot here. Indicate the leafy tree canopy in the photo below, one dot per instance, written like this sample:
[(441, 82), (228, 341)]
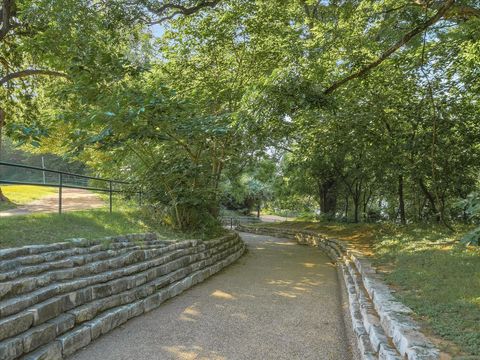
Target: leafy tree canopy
[(369, 106)]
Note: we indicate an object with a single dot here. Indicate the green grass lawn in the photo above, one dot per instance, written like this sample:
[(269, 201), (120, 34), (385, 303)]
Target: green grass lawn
[(48, 228), (439, 280), (23, 194), (440, 283)]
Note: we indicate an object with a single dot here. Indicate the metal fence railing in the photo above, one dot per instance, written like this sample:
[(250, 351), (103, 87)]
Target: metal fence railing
[(32, 175), (234, 221)]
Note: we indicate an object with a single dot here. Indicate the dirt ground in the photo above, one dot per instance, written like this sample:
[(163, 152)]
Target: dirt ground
[(72, 199)]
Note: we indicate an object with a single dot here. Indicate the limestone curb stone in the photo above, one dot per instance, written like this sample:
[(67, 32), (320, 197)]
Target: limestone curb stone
[(56, 299), (382, 325), (11, 306), (11, 253)]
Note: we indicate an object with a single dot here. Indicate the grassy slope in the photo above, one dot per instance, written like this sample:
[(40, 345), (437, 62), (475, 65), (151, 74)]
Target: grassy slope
[(47, 228), (441, 283)]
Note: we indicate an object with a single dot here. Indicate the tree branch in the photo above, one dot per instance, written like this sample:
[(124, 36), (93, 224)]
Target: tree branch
[(456, 12), (30, 72), (4, 63), (462, 12), (178, 10), (385, 55)]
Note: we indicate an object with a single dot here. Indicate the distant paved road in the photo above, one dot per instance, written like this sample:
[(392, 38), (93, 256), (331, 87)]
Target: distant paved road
[(279, 301)]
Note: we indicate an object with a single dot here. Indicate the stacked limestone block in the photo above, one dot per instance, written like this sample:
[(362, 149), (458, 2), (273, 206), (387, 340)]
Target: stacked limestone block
[(382, 325), (56, 299)]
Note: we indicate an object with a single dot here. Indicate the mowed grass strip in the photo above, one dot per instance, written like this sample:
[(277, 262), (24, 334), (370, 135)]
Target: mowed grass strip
[(431, 273), (23, 230)]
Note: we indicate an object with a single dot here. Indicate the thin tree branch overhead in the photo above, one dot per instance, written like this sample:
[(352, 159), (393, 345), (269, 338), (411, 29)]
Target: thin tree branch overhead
[(386, 54), (170, 10), (30, 72), (456, 12)]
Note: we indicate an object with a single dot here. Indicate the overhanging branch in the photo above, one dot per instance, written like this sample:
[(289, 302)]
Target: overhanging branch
[(30, 72), (385, 55), (170, 10), (457, 12)]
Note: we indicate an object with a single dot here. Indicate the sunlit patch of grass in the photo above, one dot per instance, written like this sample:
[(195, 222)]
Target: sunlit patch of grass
[(438, 279), (23, 194), (48, 228)]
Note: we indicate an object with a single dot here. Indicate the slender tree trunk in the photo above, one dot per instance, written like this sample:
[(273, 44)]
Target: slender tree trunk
[(431, 200), (356, 205), (356, 201), (346, 206), (364, 208), (366, 201), (321, 198), (3, 198), (401, 201), (421, 207)]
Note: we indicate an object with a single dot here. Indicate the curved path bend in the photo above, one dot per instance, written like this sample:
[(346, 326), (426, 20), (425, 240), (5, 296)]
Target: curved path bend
[(279, 301)]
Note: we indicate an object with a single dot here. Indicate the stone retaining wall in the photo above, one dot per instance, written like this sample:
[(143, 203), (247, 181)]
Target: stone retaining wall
[(382, 325), (56, 299)]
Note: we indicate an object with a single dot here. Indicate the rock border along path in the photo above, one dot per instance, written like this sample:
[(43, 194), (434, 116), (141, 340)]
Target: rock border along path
[(57, 298), (382, 325)]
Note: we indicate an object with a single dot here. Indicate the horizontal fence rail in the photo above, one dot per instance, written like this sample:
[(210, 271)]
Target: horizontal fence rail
[(234, 221), (61, 180)]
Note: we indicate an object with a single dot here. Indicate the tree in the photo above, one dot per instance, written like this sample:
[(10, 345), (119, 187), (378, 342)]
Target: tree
[(45, 45), (371, 123)]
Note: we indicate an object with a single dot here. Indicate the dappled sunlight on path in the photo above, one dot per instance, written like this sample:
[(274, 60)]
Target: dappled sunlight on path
[(279, 301)]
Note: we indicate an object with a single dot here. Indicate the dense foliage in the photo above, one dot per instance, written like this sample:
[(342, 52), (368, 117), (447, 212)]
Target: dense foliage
[(369, 108)]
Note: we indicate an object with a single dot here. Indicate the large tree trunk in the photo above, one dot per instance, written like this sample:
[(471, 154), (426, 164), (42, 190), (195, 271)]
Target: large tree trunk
[(327, 191), (401, 201)]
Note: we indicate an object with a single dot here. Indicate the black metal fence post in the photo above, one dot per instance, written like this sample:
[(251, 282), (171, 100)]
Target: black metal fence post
[(64, 182), (60, 188), (110, 182)]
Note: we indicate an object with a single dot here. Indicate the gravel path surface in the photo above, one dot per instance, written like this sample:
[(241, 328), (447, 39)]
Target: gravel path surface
[(279, 301)]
